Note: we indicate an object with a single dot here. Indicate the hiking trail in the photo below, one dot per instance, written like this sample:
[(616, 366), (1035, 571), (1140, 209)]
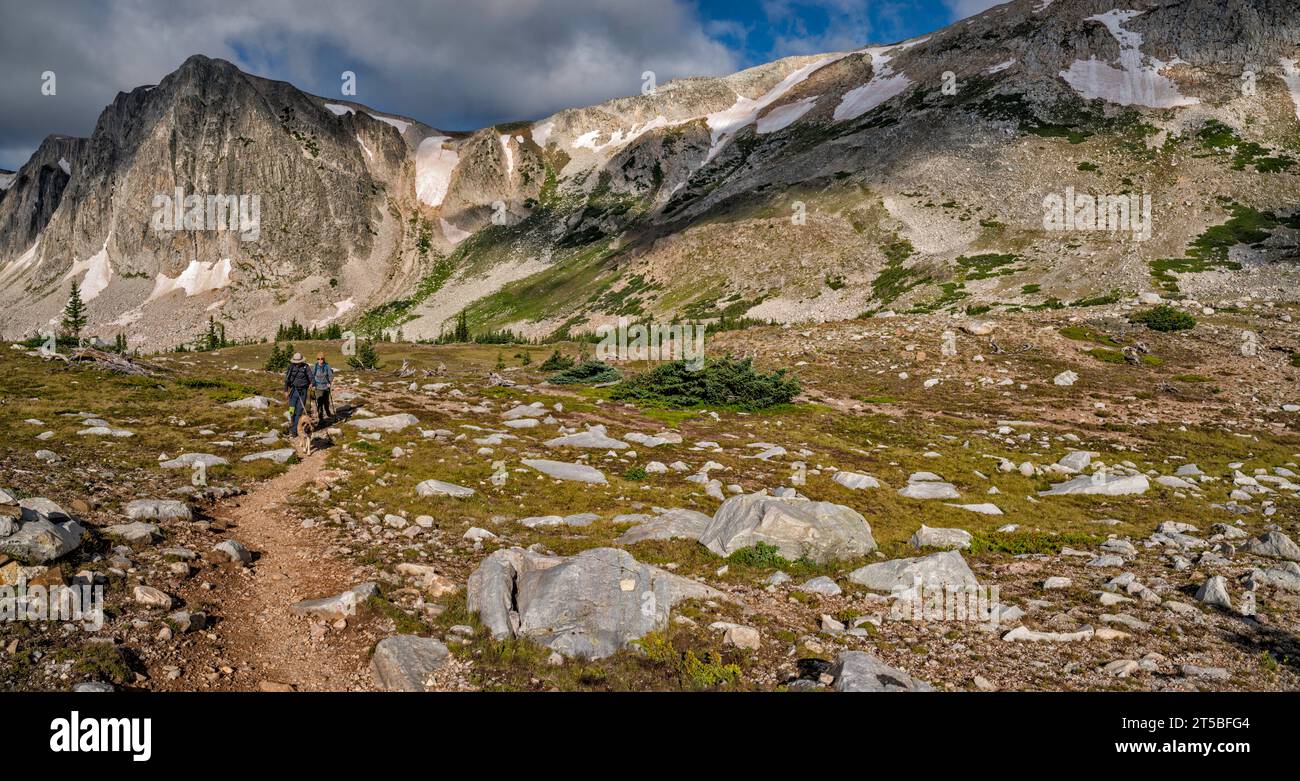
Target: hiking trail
[(261, 644)]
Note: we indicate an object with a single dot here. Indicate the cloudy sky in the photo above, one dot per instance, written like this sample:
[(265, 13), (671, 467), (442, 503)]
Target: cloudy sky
[(455, 64)]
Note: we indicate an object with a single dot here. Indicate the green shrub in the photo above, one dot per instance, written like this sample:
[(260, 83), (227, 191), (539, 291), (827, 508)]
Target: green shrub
[(759, 556), (557, 363), (367, 358), (278, 361), (586, 373), (1165, 318), (725, 382), (709, 672), (635, 473), (1108, 356)]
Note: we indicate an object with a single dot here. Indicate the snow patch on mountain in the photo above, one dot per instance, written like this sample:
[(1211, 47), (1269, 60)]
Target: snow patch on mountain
[(7, 180), (340, 308), (433, 169), (366, 149), (884, 84), (198, 277), (724, 124), (1291, 75), (24, 260), (1001, 66), (619, 138), (66, 166), (340, 109), (783, 116), (542, 133), (98, 271), (510, 155), (1138, 80)]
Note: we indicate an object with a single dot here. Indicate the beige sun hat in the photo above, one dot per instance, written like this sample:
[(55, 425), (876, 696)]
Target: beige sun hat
[(297, 358)]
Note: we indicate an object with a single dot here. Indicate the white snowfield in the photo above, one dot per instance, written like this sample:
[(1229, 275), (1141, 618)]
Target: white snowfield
[(340, 109), (1001, 66), (198, 277), (22, 263), (509, 153), (1138, 81), (884, 84), (783, 116), (726, 123), (67, 167), (433, 168), (7, 180), (98, 271), (542, 133), (340, 308)]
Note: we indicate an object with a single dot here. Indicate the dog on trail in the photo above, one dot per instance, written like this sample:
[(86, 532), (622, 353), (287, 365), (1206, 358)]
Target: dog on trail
[(305, 431)]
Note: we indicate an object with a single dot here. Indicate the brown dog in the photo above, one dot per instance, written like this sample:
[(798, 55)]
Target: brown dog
[(305, 431)]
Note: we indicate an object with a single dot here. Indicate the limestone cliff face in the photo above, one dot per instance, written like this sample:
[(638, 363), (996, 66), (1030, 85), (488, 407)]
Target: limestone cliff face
[(772, 192), (32, 194)]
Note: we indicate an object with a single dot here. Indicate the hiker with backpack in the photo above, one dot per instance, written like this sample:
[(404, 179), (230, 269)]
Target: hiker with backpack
[(322, 379), (297, 379)]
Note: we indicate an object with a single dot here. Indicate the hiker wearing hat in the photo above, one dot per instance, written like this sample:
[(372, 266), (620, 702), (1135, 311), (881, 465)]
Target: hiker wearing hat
[(297, 378)]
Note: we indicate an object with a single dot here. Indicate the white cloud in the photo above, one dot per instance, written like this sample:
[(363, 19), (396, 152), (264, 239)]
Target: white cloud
[(451, 63)]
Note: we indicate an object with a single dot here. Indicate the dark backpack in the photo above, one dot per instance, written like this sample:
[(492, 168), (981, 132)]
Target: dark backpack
[(297, 377)]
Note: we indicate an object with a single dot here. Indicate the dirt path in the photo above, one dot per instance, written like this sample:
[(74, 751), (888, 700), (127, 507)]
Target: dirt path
[(260, 643)]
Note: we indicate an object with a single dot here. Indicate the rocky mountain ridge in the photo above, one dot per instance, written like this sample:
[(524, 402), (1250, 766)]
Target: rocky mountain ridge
[(908, 177)]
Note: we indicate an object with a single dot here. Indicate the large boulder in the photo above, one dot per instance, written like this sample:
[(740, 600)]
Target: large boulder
[(562, 470), (672, 525), (252, 402), (1100, 485), (859, 671), (40, 542), (405, 662), (820, 531), (38, 508), (338, 606), (1274, 545), (856, 480), (929, 537), (590, 605), (188, 460), (439, 488), (388, 423), (134, 533), (901, 575), (158, 510), (927, 485), (593, 437), (279, 456)]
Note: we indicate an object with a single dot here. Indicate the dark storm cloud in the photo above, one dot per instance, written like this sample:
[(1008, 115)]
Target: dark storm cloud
[(453, 64)]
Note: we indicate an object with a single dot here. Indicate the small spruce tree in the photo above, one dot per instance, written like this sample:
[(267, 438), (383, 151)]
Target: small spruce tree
[(74, 313)]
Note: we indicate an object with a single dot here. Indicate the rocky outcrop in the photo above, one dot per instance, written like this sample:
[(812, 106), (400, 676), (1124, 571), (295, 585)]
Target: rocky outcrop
[(590, 605)]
